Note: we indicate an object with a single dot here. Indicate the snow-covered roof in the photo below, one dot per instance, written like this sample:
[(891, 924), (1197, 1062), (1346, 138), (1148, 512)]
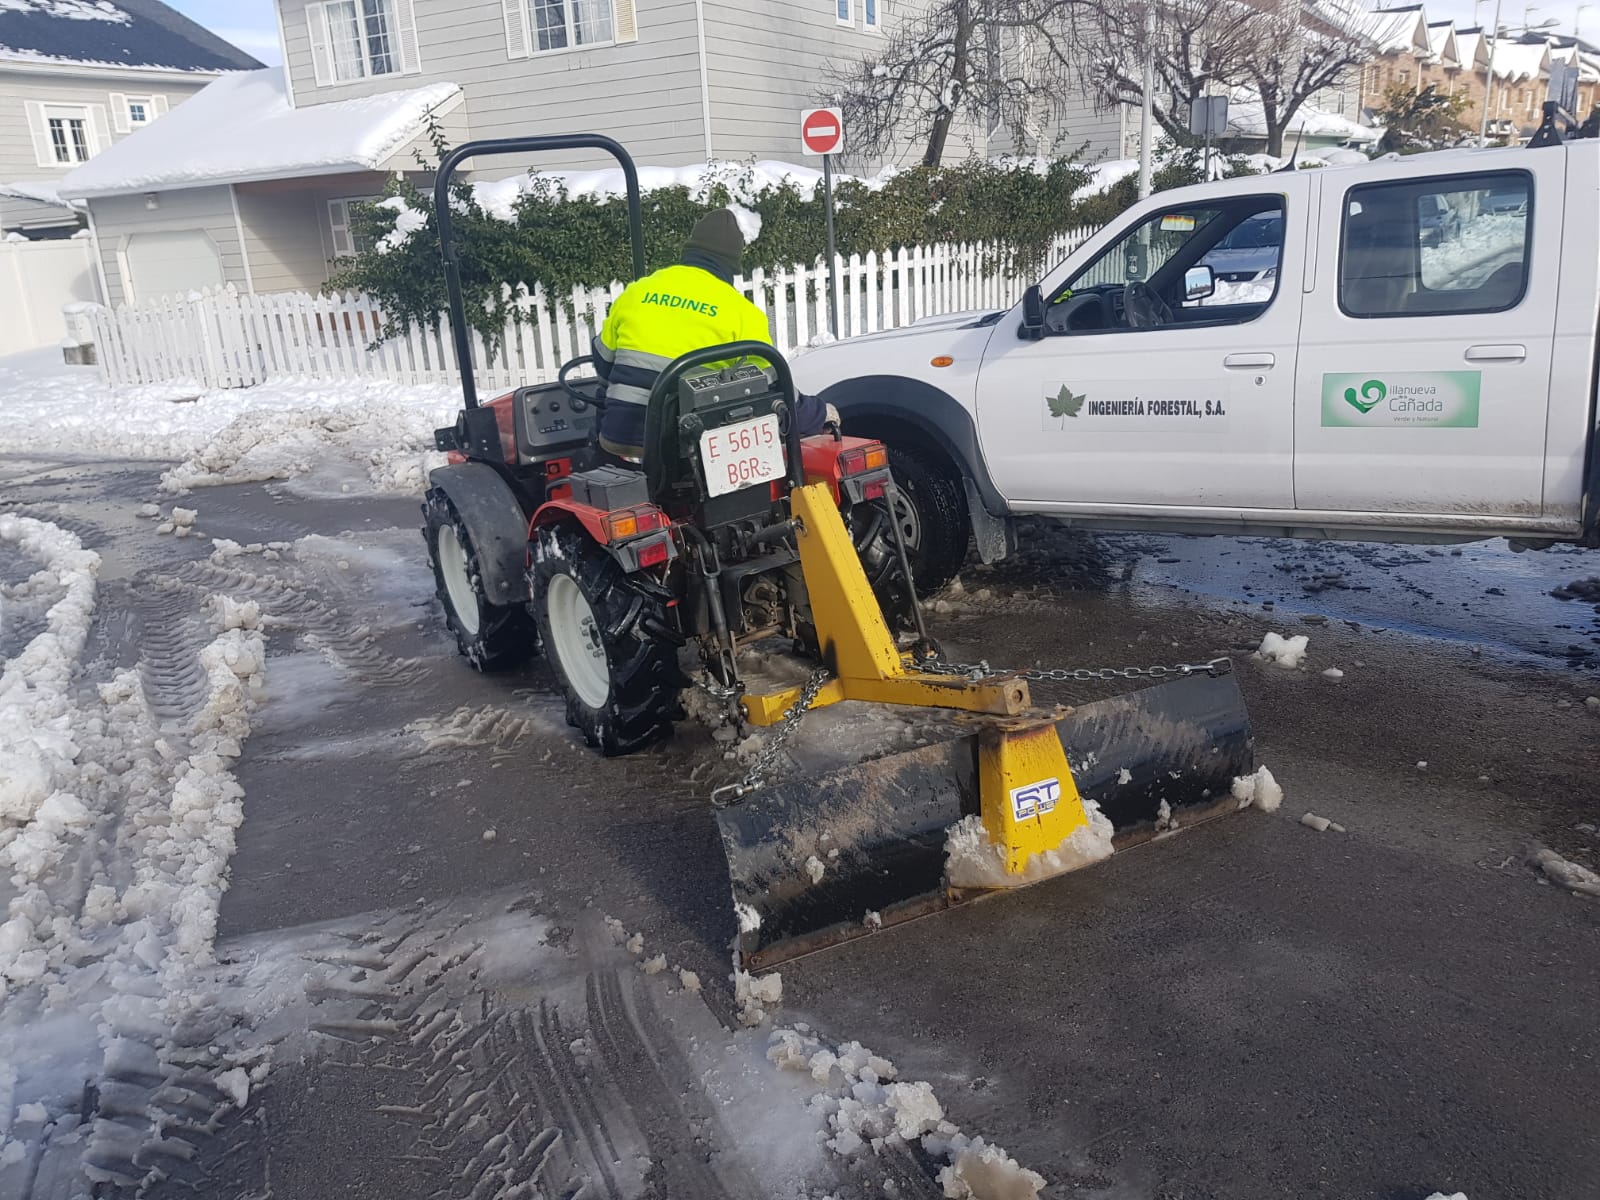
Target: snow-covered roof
[(241, 128), (1472, 49), (1442, 43), (1588, 64), (1247, 119), (1516, 61), (127, 34), (39, 191), (1400, 30)]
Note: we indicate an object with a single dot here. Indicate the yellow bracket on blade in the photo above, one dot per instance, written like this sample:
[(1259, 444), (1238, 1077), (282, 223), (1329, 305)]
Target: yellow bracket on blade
[(855, 641), (1027, 797)]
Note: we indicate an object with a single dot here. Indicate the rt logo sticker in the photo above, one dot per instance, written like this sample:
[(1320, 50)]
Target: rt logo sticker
[(1035, 799)]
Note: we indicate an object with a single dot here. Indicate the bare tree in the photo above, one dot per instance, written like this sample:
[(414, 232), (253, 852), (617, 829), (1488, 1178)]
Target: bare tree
[(999, 62), (1198, 44), (1301, 49), (1282, 51)]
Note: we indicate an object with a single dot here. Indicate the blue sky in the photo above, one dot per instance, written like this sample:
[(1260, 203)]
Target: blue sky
[(250, 24)]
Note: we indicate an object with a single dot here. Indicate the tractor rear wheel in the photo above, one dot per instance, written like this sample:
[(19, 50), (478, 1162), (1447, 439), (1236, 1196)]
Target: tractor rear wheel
[(621, 683), (492, 637)]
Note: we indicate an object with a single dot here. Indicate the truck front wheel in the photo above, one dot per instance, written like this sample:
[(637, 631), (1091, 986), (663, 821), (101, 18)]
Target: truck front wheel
[(932, 515)]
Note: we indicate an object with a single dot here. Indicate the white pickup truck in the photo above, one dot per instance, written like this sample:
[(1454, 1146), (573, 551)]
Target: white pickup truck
[(1419, 365)]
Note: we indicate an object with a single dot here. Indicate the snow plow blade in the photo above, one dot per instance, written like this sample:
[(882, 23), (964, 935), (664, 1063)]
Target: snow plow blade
[(818, 861)]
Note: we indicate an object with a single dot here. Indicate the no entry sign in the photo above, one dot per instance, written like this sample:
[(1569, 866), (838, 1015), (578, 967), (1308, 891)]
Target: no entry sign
[(822, 131)]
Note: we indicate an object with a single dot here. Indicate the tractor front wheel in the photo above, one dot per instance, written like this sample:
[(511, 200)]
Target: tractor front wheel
[(492, 637), (621, 683)]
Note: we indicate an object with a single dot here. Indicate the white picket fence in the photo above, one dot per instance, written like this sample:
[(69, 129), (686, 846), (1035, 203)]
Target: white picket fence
[(221, 338)]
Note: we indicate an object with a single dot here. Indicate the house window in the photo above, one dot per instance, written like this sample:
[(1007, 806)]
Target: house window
[(67, 127), (845, 12), (561, 24), (138, 112), (869, 13), (345, 240), (360, 38)]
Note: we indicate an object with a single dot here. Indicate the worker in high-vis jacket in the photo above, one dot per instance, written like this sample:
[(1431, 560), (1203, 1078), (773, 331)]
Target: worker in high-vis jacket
[(665, 315)]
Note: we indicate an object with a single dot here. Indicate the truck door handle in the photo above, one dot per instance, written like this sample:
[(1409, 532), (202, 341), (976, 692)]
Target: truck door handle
[(1252, 362), (1496, 353)]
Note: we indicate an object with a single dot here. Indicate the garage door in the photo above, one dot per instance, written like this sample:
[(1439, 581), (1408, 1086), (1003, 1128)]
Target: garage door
[(181, 261)]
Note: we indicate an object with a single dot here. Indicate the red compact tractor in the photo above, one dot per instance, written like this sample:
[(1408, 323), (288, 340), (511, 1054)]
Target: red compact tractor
[(539, 538)]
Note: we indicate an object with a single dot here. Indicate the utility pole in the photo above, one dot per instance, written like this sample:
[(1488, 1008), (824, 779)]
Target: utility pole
[(1488, 84), (1146, 111)]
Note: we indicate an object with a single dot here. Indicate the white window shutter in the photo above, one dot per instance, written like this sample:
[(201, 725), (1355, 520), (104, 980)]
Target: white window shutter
[(516, 14), (43, 152), (406, 23), (626, 22), (99, 138), (317, 27), (119, 112), (161, 105)]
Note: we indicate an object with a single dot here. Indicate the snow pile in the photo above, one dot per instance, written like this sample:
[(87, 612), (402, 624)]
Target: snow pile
[(1570, 875), (275, 430), (755, 994), (868, 1109), (972, 860), (1287, 652), (116, 831), (1451, 1196), (1259, 789), (1484, 244), (242, 127), (39, 814)]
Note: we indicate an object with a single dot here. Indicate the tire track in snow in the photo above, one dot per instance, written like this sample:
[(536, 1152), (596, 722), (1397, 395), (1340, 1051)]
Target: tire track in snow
[(292, 607)]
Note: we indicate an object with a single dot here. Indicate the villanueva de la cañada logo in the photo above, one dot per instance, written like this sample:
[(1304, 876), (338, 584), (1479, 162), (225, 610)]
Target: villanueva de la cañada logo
[(1401, 400)]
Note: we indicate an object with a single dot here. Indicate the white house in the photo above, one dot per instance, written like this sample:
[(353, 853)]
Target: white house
[(78, 76)]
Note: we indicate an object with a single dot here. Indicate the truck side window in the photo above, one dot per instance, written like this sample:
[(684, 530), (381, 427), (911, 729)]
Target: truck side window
[(1436, 247), (1138, 282)]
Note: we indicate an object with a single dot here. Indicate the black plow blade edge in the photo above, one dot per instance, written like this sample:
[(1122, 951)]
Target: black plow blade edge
[(819, 861)]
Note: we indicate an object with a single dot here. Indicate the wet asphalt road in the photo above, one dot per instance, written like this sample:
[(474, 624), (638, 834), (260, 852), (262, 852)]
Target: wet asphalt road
[(1246, 1009)]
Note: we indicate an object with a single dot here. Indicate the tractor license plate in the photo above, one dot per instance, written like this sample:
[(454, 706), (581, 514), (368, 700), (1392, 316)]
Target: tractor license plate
[(742, 455)]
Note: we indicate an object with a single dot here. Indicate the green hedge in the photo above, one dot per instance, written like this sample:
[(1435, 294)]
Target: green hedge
[(564, 241)]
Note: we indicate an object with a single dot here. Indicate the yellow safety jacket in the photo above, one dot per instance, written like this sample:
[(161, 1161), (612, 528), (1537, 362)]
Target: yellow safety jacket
[(656, 320)]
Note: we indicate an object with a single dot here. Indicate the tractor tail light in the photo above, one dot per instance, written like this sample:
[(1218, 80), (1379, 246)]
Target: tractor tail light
[(872, 457), (626, 523), (654, 553)]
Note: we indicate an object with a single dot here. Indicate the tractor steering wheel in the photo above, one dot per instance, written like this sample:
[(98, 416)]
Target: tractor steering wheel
[(576, 394), (1144, 309)]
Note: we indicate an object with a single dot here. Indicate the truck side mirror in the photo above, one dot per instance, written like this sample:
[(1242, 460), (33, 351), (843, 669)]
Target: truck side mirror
[(1032, 327), (1199, 282)]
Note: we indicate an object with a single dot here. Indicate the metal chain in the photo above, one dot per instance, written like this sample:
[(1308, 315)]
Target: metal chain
[(982, 670), (768, 755)]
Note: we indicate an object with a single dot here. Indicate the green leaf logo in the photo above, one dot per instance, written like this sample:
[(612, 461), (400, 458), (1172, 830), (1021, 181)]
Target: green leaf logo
[(1064, 403), (1372, 393)]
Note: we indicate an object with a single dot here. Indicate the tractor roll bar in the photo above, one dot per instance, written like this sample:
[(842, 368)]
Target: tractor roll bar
[(666, 389), (451, 253)]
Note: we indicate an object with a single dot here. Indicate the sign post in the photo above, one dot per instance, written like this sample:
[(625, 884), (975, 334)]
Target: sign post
[(1209, 117), (822, 133)]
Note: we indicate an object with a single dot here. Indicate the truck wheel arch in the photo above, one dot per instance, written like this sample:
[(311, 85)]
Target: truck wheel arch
[(918, 416)]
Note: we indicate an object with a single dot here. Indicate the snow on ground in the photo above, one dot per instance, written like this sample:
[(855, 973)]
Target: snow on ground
[(1287, 652), (1486, 242), (1259, 789), (115, 835), (276, 430)]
